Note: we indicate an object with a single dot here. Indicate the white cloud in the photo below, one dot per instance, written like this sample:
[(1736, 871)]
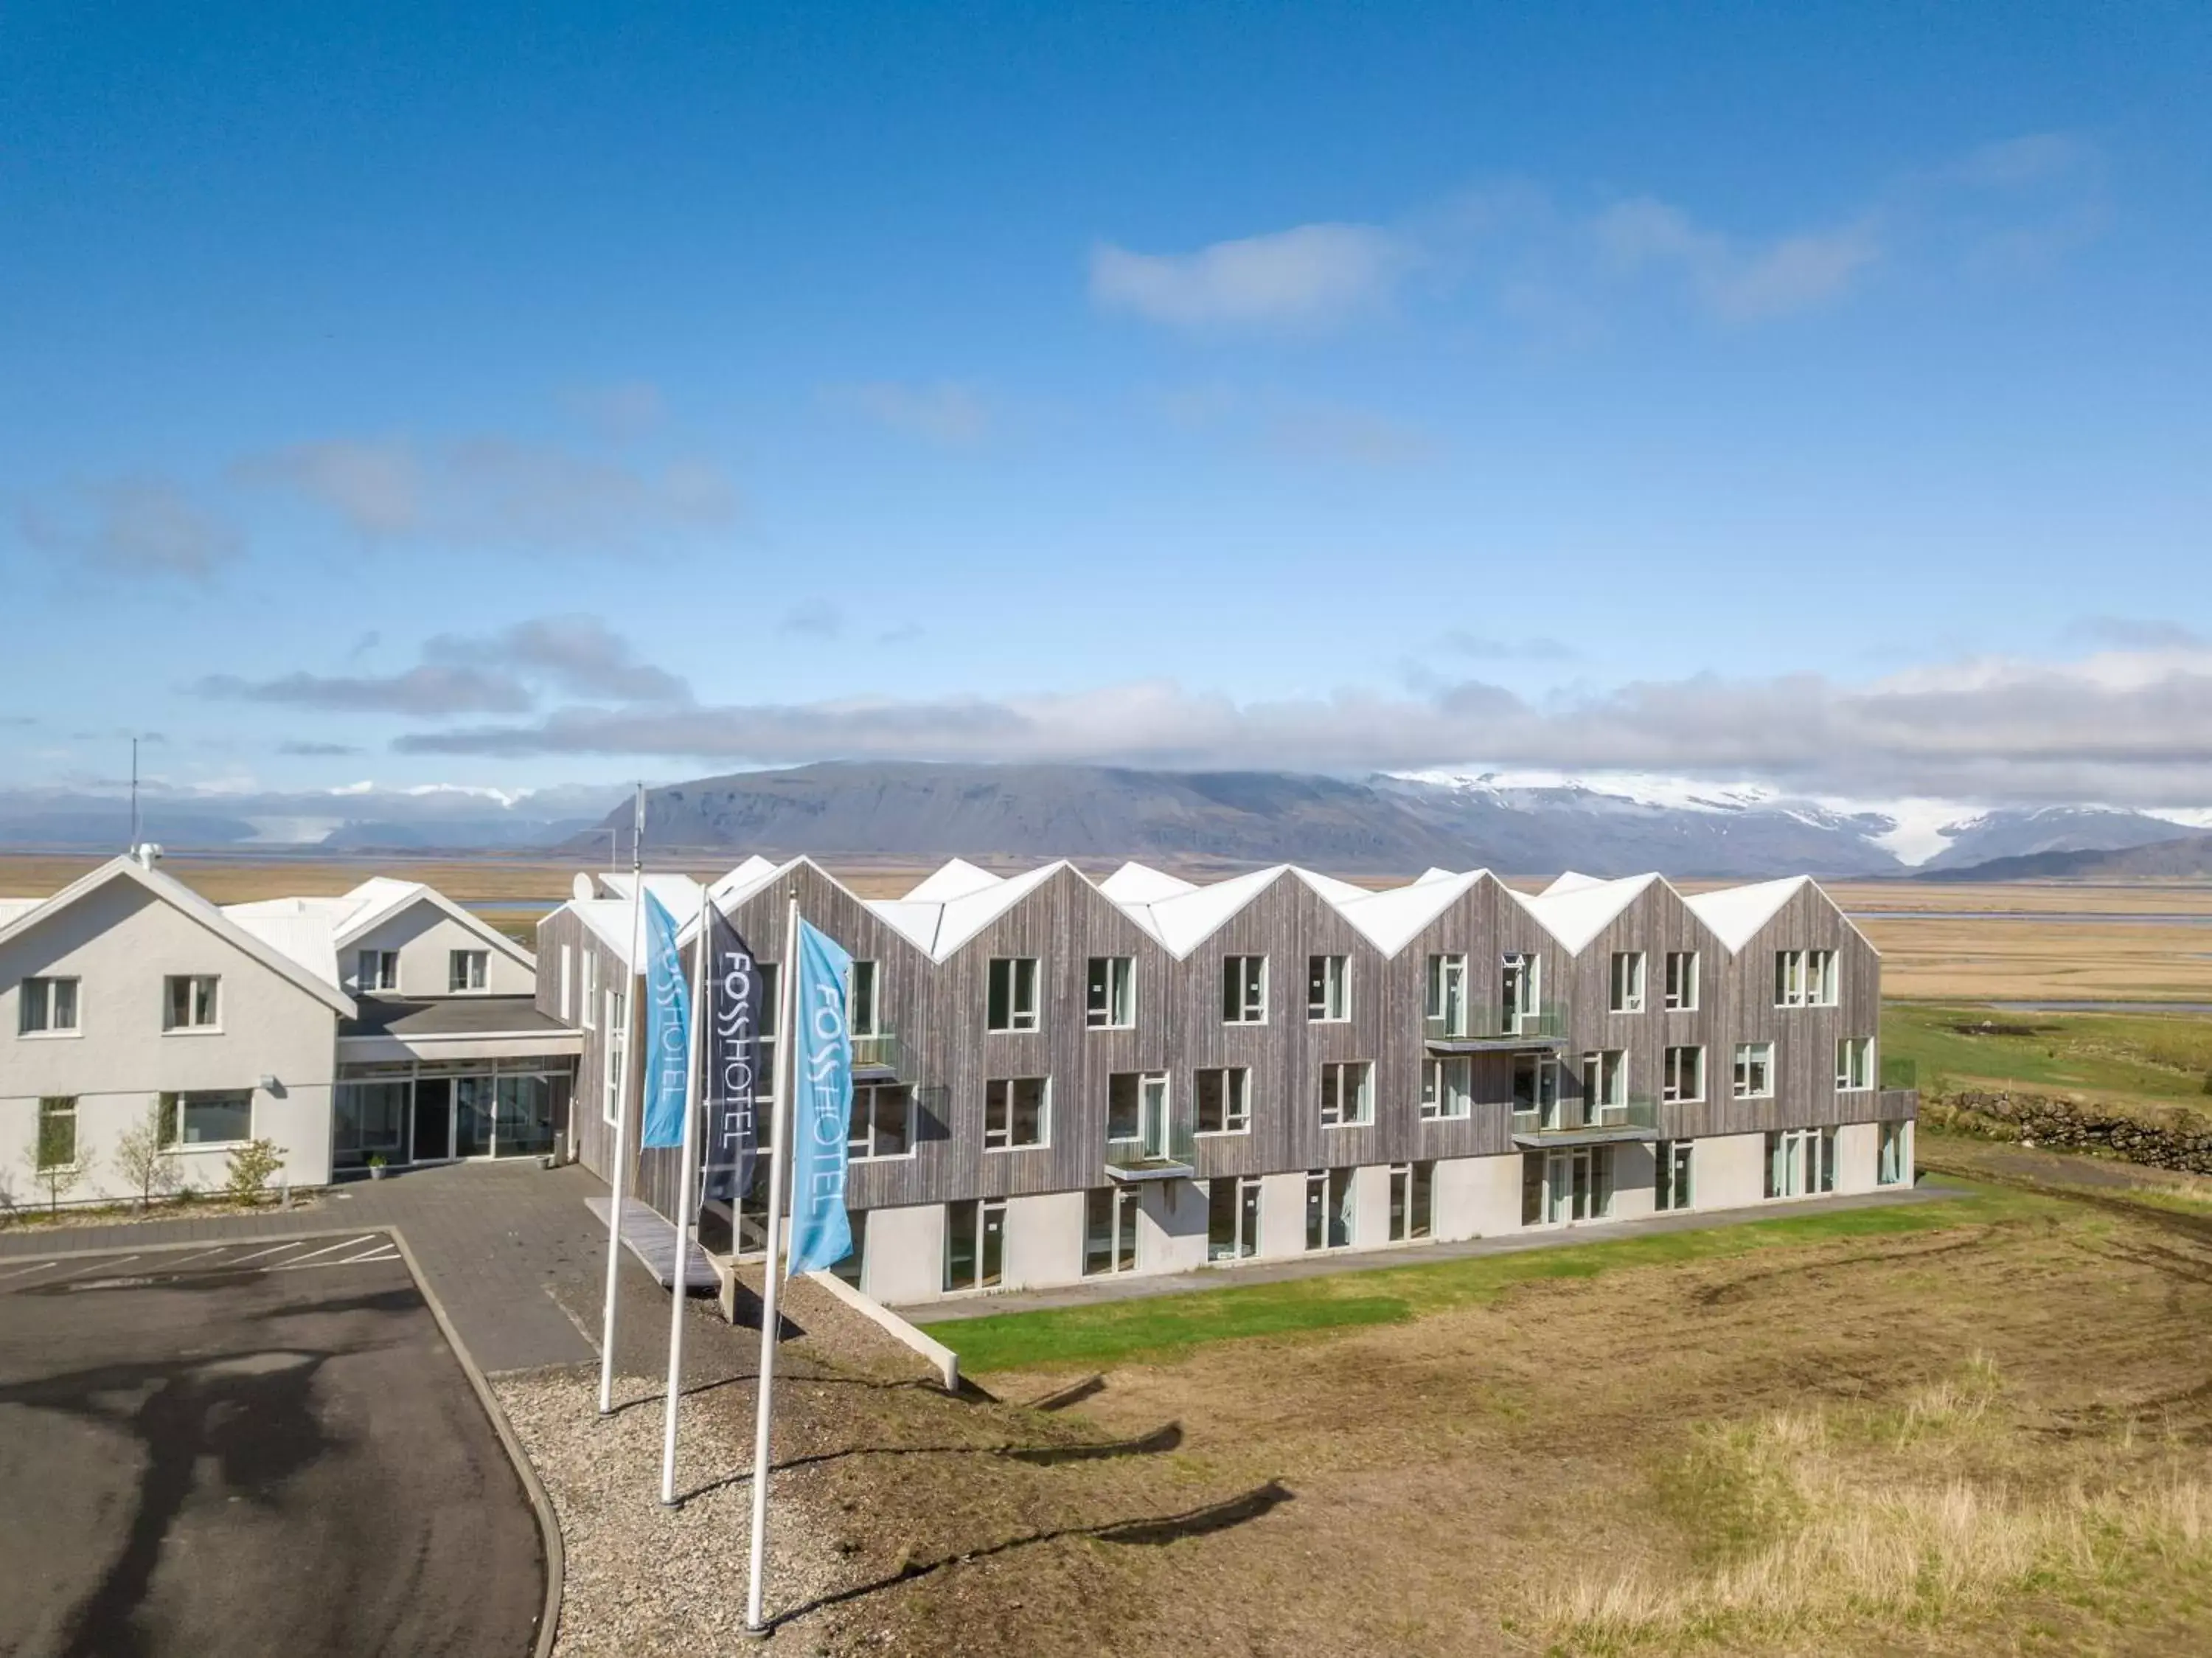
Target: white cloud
[(944, 411), (1310, 276), (1737, 281), (140, 525)]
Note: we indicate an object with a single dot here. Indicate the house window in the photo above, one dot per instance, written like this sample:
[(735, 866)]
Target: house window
[(191, 1001), (1805, 979), (1800, 1162), (1017, 1113), (1682, 1074), (1110, 1229), (1571, 1184), (860, 1000), (1521, 991), (1232, 1218), (618, 1046), (591, 999), (1854, 1063), (1536, 1090), (1448, 1086), (465, 970), (1671, 1186), (1137, 1109), (1224, 1100), (1890, 1168), (1110, 1001), (47, 1007), (206, 1119), (376, 970), (1329, 990), (1605, 1081), (974, 1243), (1328, 1208), (1013, 994), (1681, 981), (568, 981), (57, 1143), (1244, 990), (373, 1117), (879, 1125), (1754, 1070), (1348, 1095), (1627, 989), (1445, 1006), (1413, 1201)]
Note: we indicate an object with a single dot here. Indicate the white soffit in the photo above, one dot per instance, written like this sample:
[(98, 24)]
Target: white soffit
[(1736, 913)]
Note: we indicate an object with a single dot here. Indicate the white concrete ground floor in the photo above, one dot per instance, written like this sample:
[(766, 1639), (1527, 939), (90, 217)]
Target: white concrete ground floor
[(927, 1251)]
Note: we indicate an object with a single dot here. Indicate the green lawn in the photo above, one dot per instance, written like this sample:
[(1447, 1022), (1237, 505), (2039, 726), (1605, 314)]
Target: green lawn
[(2166, 1057), (1161, 1326)]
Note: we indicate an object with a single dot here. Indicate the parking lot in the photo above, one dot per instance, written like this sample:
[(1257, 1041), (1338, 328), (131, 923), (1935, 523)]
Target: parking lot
[(255, 1446)]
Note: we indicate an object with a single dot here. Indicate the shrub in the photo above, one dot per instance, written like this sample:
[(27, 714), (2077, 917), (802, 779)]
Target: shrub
[(250, 1166), (144, 1162)]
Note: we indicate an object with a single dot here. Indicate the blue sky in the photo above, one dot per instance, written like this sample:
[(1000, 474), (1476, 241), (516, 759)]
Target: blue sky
[(1809, 394)]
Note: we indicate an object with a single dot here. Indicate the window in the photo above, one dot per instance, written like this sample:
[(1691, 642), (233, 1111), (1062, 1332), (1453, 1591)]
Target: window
[(1536, 1088), (1804, 978), (1244, 990), (57, 1147), (1413, 1201), (1800, 1162), (879, 1125), (1682, 1074), (1671, 1186), (1110, 1001), (1110, 1229), (1627, 993), (1854, 1063), (206, 1119), (1448, 1086), (618, 1046), (1328, 989), (1017, 1113), (1328, 1208), (1013, 994), (1346, 1094), (465, 970), (860, 1000), (372, 1116), (1891, 1167), (568, 982), (1137, 1110), (47, 1007), (1521, 991), (375, 970), (1445, 1008), (1569, 1184), (974, 1243), (591, 1001), (1605, 1081), (1224, 1100), (1232, 1218), (1754, 1070), (191, 1002), (1681, 981)]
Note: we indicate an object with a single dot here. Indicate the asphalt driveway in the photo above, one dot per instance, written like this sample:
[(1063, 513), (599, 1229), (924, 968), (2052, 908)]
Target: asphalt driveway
[(265, 1447)]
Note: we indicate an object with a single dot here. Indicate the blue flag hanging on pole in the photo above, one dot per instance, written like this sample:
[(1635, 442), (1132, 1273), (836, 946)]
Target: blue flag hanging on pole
[(823, 1106), (667, 1030)]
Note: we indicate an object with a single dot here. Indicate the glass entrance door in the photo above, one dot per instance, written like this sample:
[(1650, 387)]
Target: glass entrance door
[(474, 1114), (1152, 1110), (434, 1119)]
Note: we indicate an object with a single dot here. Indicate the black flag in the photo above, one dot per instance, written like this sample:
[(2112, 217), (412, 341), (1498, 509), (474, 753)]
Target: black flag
[(735, 1087)]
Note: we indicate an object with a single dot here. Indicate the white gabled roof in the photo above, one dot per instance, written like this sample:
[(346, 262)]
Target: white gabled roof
[(303, 934), (1338, 892), (1183, 921), (1572, 881), (12, 907), (608, 919), (1579, 913), (1393, 918), (378, 899), (1431, 875), (1140, 883), (942, 925), (1736, 913), (679, 894), (743, 879), (958, 879)]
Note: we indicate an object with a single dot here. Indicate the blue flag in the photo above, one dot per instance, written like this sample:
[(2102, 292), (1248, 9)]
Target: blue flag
[(667, 1031), (822, 1107)]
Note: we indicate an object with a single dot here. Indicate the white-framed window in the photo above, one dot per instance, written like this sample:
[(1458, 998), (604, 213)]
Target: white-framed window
[(1328, 989), (213, 1117), (861, 1014), (375, 970), (1110, 1229), (590, 1003), (56, 1146), (1671, 1187), (46, 1006), (1626, 995), (1347, 1093), (466, 971), (1232, 1218), (1681, 981), (1682, 1074), (1605, 1078), (191, 1001), (1536, 1088), (617, 1046), (1891, 1164), (1854, 1063), (1445, 1002), (568, 982), (974, 1243), (1413, 1201), (1329, 1214), (1109, 997), (1137, 1109), (1448, 1086), (1805, 979), (881, 1124), (1224, 1094), (1754, 1070), (1800, 1162), (1013, 998), (1017, 1113), (1244, 990)]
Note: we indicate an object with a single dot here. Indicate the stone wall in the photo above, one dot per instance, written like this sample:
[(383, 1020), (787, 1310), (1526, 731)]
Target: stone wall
[(2173, 1139)]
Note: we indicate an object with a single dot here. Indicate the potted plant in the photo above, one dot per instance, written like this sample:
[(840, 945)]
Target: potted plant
[(375, 1165)]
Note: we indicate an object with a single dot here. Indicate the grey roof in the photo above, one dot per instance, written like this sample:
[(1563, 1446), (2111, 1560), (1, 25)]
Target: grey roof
[(451, 1015)]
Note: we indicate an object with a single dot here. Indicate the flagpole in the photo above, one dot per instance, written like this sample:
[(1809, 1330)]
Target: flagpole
[(787, 1039), (681, 1273), (618, 1181)]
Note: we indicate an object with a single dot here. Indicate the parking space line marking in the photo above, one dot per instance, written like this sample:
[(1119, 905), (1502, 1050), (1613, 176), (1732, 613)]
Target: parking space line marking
[(203, 1255), (20, 1271), (383, 1252), (328, 1249), (273, 1249), (102, 1264)]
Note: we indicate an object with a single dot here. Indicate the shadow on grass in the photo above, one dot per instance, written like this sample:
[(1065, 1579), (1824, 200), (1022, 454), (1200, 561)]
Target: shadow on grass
[(1157, 1442)]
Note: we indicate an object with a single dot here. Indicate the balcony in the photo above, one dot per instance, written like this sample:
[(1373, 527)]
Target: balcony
[(880, 1057), (1493, 1028), (1574, 1123), (1161, 1156)]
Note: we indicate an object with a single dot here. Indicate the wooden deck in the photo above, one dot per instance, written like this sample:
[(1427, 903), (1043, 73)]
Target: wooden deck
[(653, 1240)]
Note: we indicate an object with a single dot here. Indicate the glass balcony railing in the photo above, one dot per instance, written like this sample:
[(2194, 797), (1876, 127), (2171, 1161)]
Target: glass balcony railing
[(1577, 1116), (1498, 1026), (1168, 1151), (880, 1054)]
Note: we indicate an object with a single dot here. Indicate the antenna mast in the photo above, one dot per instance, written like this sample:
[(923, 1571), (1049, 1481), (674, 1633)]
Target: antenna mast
[(134, 797)]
